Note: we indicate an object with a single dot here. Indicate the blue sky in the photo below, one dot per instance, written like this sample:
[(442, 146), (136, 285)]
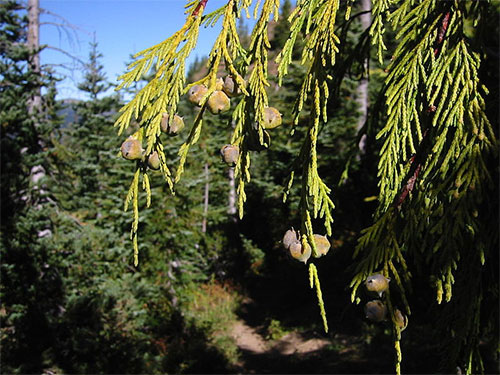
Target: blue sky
[(121, 27)]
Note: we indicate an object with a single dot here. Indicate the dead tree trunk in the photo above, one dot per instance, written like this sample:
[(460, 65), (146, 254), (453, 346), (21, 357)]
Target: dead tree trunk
[(362, 90), (205, 200), (231, 209), (34, 104), (35, 101), (33, 44)]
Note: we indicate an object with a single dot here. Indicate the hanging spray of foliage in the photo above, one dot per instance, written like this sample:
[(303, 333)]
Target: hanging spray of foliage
[(435, 143), (436, 138), (162, 95)]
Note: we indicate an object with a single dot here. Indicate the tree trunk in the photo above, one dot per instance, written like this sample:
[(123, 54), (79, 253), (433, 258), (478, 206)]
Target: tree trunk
[(231, 209), (205, 200), (35, 102), (33, 46), (362, 90)]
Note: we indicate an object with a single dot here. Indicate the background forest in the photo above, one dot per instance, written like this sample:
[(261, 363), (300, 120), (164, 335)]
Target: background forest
[(212, 293)]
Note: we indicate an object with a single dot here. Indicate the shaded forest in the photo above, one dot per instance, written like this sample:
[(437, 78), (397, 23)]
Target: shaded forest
[(214, 293)]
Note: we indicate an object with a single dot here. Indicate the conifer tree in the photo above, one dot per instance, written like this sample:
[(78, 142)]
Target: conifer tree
[(436, 144), (31, 288), (100, 301), (86, 143), (94, 79)]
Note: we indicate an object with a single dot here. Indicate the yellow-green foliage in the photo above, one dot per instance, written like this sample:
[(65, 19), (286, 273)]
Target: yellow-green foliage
[(434, 141), (162, 94), (318, 54), (314, 283)]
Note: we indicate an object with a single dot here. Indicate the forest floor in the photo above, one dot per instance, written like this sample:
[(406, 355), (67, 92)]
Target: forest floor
[(296, 351)]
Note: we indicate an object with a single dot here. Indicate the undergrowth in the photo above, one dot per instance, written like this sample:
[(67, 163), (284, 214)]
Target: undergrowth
[(211, 307)]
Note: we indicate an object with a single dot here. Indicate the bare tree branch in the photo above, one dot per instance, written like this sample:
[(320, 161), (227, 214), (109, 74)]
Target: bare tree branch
[(69, 67), (68, 29), (73, 57)]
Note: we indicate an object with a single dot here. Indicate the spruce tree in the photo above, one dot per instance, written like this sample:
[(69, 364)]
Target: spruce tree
[(87, 146), (31, 287), (100, 300), (437, 211)]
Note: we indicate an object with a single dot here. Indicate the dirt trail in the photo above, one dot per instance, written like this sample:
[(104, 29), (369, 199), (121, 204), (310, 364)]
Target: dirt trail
[(297, 352), (300, 351), (274, 356), (248, 339), (293, 343)]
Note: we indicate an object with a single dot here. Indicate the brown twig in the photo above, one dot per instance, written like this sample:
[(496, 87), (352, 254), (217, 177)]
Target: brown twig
[(200, 5), (410, 184), (442, 32), (416, 162)]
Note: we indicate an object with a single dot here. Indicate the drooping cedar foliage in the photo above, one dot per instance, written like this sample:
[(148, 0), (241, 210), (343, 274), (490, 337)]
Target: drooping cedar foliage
[(436, 140)]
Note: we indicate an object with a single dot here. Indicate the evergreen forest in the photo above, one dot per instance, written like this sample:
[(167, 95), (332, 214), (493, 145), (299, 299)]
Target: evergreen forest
[(319, 194)]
